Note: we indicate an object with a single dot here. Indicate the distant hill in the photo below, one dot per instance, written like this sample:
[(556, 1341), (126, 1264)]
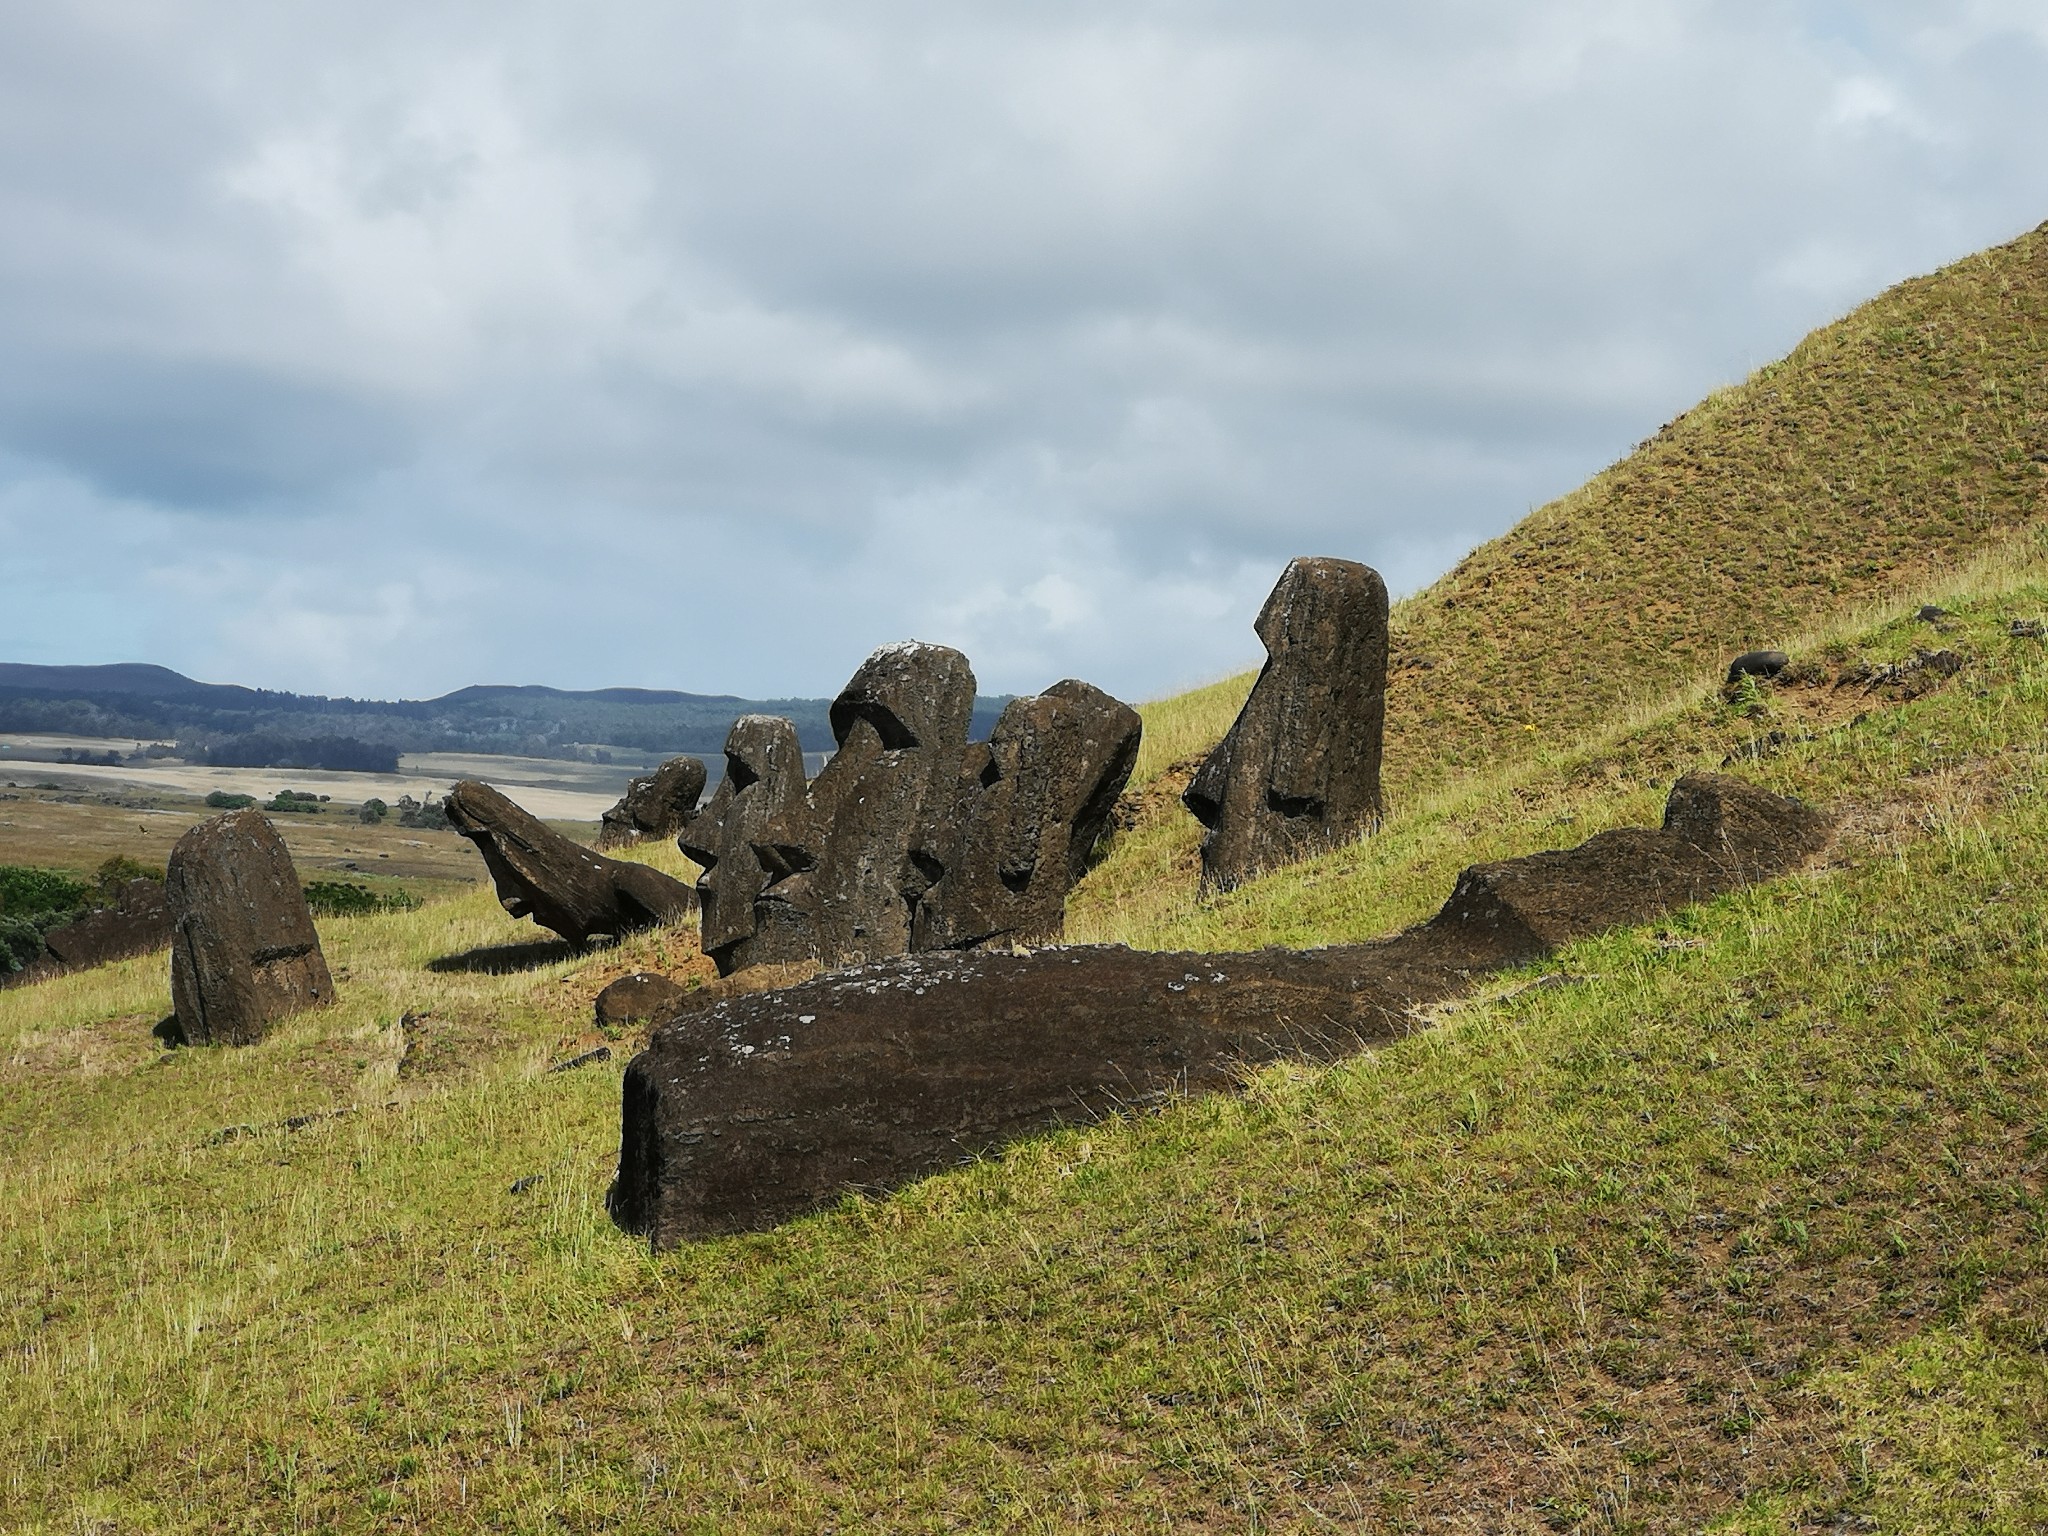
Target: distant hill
[(154, 703)]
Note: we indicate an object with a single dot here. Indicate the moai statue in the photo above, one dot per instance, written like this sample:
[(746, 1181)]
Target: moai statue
[(1300, 770), (763, 785), (1028, 809), (842, 884), (655, 805), (244, 952)]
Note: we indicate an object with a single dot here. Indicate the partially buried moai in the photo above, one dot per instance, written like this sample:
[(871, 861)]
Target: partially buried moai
[(1299, 772), (842, 885), (244, 952), (763, 786), (1029, 806)]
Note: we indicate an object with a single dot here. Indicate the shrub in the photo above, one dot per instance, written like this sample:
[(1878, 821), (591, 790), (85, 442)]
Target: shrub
[(27, 892), (338, 898), (373, 810), (221, 800), (119, 871), (21, 944), (292, 803)]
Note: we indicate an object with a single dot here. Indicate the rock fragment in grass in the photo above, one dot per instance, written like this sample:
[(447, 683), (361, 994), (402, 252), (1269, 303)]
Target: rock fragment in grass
[(656, 805), (634, 999), (244, 952), (1299, 771), (560, 884), (747, 1110), (1025, 815), (1763, 665)]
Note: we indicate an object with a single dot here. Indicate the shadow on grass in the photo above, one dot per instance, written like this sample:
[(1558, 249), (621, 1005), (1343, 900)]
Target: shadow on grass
[(506, 959)]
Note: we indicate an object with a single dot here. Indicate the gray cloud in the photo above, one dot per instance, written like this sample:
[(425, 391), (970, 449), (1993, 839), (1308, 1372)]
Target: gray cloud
[(396, 348)]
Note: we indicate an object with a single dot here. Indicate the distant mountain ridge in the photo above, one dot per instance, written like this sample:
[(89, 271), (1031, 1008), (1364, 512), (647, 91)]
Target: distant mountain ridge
[(148, 702)]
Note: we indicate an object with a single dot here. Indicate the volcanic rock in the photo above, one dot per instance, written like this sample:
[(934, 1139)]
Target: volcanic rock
[(748, 1110), (1028, 809), (1719, 833), (560, 884), (138, 922), (841, 881), (635, 999), (1759, 664), (763, 785), (1299, 771), (656, 805), (244, 952)]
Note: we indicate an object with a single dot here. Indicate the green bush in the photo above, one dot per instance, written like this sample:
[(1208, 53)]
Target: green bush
[(373, 810), (119, 871), (338, 898), (221, 800), (21, 944), (291, 802), (28, 892)]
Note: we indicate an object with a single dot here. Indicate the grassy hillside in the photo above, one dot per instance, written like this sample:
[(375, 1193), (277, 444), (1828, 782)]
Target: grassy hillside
[(1743, 1221), (1735, 1221)]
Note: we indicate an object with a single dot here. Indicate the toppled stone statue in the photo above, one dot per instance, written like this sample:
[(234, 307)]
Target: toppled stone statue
[(1299, 771), (138, 922), (635, 999), (745, 1111), (1027, 810), (655, 805), (244, 952), (841, 884), (763, 786), (559, 884)]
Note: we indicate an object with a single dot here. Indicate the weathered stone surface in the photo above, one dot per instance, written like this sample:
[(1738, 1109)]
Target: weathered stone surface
[(635, 999), (842, 886), (748, 1110), (656, 805), (244, 952), (1764, 664), (560, 884), (138, 922), (763, 786), (1719, 833), (1027, 809), (1300, 770)]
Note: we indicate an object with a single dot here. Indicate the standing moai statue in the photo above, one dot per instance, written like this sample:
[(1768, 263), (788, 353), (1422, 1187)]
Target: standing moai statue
[(1300, 770), (763, 785), (1028, 809), (842, 883), (655, 805), (244, 952)]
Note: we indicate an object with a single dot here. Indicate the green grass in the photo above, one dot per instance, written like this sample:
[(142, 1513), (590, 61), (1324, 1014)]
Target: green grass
[(1742, 1224), (1738, 1222)]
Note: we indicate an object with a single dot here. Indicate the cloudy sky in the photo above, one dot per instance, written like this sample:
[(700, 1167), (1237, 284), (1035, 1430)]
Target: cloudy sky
[(388, 347)]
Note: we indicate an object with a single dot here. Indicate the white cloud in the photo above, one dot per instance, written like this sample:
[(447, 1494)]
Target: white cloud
[(398, 347)]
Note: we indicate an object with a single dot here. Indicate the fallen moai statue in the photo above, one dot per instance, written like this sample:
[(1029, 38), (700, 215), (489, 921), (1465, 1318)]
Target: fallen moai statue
[(842, 884), (749, 1110), (1299, 771), (244, 952), (655, 805), (139, 921), (1027, 810), (558, 883), (763, 786)]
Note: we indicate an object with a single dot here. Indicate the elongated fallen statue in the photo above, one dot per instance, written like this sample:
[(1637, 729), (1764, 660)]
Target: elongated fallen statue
[(744, 1112)]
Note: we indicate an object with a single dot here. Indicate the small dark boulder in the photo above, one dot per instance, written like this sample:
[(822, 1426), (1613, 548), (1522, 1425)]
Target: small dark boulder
[(560, 884), (1299, 772), (1027, 811), (138, 922), (244, 952), (1763, 665), (635, 999), (763, 786), (656, 805)]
